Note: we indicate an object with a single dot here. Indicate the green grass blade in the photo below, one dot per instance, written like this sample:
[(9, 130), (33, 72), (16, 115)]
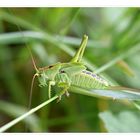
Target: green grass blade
[(108, 94), (17, 37), (137, 104), (123, 55), (15, 121), (14, 111), (124, 121)]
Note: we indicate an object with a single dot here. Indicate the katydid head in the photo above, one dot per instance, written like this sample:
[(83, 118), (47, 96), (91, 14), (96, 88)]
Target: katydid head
[(44, 75), (48, 73)]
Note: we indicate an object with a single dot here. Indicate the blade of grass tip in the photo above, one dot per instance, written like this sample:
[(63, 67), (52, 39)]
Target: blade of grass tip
[(131, 51), (15, 121)]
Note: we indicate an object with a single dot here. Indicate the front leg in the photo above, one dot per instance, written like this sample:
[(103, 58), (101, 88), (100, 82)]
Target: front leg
[(63, 82), (51, 83)]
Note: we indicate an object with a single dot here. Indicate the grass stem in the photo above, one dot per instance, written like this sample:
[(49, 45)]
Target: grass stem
[(20, 118)]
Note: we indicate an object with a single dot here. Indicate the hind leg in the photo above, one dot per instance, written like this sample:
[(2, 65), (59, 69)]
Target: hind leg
[(79, 54), (51, 83)]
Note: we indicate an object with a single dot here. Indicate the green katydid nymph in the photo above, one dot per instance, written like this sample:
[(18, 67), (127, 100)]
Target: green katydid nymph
[(73, 73)]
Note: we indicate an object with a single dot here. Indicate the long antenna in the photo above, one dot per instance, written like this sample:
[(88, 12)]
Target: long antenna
[(31, 90), (33, 62)]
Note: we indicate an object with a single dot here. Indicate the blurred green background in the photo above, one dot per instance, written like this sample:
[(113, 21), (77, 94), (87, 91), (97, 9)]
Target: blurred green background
[(54, 34)]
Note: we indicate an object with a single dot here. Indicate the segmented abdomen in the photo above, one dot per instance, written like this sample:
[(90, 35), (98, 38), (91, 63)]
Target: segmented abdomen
[(87, 79)]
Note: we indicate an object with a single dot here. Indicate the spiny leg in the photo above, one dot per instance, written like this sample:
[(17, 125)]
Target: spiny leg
[(51, 83), (79, 54)]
